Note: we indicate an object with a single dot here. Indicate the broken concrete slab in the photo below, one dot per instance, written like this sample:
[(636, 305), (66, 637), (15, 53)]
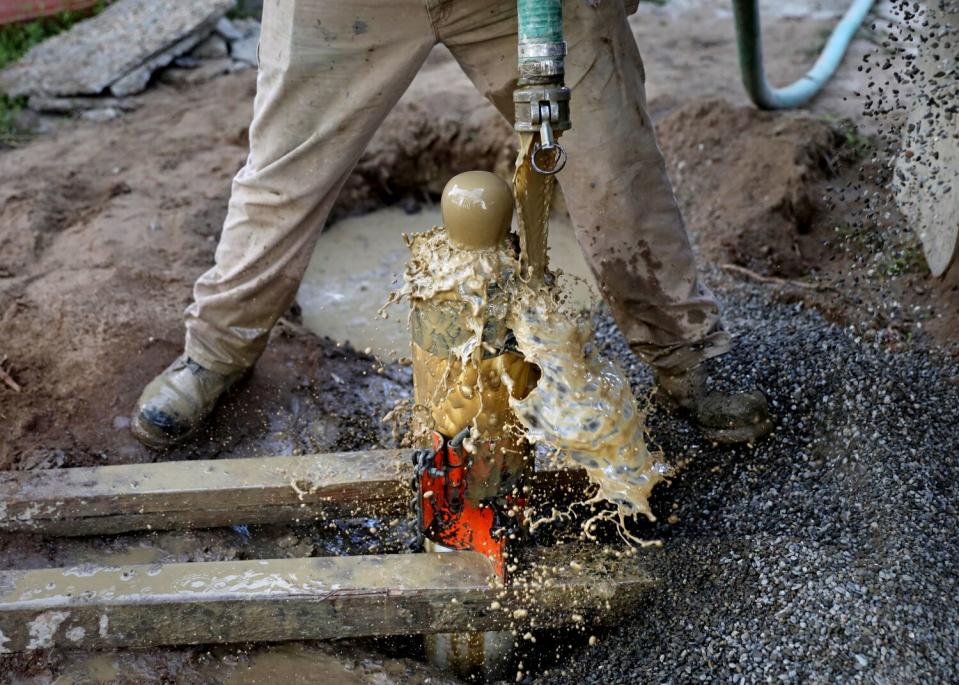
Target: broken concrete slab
[(137, 80), (55, 105), (206, 71), (117, 50)]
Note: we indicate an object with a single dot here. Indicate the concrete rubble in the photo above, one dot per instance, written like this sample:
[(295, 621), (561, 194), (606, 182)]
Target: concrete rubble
[(96, 65)]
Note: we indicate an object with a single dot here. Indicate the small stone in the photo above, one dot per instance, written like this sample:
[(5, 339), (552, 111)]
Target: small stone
[(101, 114), (213, 47), (245, 49), (228, 30), (207, 71)]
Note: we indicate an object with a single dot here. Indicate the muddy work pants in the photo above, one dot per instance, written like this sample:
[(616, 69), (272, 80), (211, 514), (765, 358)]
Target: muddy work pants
[(331, 70)]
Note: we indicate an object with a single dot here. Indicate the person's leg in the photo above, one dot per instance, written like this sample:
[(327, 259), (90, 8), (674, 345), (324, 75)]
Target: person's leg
[(619, 196), (329, 73)]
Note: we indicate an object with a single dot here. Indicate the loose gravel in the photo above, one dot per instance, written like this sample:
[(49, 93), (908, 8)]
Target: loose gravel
[(825, 554)]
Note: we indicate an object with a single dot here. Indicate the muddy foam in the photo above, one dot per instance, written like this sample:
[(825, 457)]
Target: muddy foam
[(581, 404)]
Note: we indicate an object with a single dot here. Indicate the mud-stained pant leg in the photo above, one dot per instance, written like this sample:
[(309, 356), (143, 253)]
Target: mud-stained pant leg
[(620, 198), (330, 71)]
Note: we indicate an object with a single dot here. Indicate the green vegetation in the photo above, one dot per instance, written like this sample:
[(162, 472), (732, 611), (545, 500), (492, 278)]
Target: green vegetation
[(8, 114), (893, 253), (905, 260), (246, 9), (15, 40)]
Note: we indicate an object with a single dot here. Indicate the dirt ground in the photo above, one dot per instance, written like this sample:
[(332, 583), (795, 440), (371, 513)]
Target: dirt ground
[(105, 226)]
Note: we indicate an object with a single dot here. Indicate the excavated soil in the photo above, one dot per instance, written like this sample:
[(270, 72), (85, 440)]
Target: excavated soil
[(105, 226)]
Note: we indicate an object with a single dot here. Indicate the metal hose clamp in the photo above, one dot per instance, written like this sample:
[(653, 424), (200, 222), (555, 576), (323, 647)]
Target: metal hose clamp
[(547, 144)]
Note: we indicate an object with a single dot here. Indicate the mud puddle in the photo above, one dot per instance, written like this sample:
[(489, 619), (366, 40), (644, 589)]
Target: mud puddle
[(359, 260)]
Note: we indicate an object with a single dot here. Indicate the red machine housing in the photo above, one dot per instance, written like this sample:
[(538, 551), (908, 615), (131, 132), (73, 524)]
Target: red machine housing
[(446, 513)]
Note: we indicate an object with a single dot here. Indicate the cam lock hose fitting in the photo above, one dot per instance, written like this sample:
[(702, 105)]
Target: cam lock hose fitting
[(541, 101)]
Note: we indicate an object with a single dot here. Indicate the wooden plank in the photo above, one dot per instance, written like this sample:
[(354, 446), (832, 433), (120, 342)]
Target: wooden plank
[(203, 493), (218, 492), (292, 599)]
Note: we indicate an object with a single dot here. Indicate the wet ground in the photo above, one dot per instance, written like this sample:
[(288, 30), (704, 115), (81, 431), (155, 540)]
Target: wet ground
[(361, 258)]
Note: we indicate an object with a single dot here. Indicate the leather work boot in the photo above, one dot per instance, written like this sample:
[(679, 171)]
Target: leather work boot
[(726, 417), (175, 403)]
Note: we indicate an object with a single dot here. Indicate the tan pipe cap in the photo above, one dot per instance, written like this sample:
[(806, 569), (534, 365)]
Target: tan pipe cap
[(477, 209)]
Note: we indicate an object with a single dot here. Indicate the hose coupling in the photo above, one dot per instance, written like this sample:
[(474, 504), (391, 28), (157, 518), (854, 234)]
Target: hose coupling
[(543, 109), (541, 62)]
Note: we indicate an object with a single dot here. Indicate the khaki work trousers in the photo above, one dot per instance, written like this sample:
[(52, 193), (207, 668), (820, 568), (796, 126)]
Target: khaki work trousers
[(331, 70)]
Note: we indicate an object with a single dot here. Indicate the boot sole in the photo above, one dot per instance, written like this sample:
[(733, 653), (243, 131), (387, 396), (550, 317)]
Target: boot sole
[(150, 439)]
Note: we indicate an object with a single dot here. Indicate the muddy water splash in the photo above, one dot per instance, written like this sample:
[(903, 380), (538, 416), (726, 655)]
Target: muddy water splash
[(581, 404)]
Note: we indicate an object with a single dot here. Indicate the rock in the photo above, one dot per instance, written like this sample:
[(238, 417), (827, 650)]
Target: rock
[(101, 114), (245, 49), (213, 47), (67, 105), (228, 30), (208, 70), (247, 27), (117, 50), (31, 122), (137, 80)]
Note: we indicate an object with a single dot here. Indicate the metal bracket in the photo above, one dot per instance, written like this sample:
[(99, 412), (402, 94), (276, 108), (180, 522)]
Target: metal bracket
[(544, 110)]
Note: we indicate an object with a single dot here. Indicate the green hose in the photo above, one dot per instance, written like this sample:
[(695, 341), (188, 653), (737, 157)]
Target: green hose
[(540, 21), (541, 46), (750, 43)]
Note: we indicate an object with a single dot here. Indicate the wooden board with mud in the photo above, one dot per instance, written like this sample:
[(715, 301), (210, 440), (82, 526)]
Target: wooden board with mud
[(293, 599), (220, 492)]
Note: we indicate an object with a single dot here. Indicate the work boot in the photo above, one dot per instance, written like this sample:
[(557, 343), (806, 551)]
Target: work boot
[(177, 401), (727, 417)]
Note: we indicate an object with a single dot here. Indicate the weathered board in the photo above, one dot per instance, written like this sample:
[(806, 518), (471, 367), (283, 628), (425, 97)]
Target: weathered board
[(291, 599), (207, 493), (203, 493)]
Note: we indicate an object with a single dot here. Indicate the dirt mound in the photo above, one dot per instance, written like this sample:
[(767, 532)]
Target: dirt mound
[(750, 181)]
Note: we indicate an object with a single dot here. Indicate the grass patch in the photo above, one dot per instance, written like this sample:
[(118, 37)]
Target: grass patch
[(16, 39), (8, 117), (907, 260), (892, 254)]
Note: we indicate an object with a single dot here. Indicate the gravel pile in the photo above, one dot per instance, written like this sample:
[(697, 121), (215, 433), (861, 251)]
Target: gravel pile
[(828, 553)]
